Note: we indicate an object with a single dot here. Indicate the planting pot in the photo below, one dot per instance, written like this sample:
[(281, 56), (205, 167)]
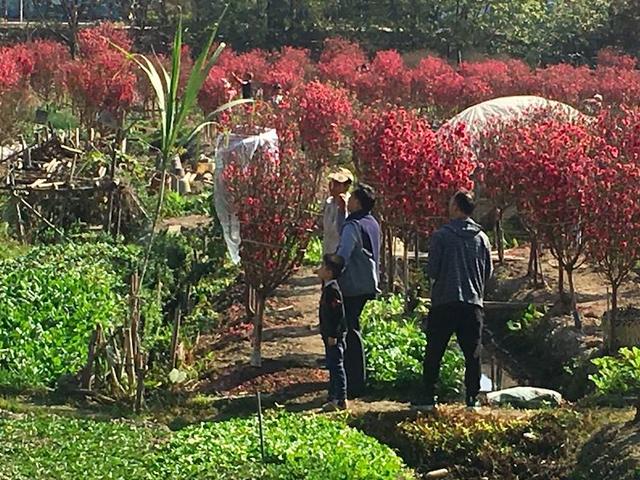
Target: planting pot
[(626, 330)]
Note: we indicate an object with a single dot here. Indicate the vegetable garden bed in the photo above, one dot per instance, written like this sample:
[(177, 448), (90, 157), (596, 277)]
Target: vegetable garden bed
[(296, 447)]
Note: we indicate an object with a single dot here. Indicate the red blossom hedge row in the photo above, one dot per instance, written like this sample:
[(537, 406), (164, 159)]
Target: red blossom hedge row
[(101, 79)]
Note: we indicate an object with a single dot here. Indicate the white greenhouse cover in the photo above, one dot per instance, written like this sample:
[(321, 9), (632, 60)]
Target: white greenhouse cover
[(505, 108), (226, 147)]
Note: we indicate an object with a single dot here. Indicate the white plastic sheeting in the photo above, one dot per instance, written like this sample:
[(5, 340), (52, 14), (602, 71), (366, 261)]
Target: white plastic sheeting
[(478, 117), (226, 148)]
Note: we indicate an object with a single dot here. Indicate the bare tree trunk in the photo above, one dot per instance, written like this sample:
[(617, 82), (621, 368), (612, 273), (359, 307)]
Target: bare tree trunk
[(561, 279), (383, 256), (539, 265), (256, 340), (500, 234), (573, 301), (391, 267), (175, 336), (613, 318), (405, 259), (535, 267), (417, 251)]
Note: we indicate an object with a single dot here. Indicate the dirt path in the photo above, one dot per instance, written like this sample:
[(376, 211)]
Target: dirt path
[(591, 287), (290, 374)]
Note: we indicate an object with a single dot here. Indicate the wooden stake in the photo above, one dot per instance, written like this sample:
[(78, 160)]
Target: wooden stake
[(39, 215), (21, 234), (141, 370), (260, 427), (128, 356), (87, 373), (175, 337)]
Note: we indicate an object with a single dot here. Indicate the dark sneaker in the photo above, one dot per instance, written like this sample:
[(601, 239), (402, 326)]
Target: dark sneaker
[(473, 404), (426, 405), (335, 406)]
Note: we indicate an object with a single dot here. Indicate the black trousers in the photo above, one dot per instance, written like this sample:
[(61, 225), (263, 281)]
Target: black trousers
[(466, 322), (355, 361), (353, 307)]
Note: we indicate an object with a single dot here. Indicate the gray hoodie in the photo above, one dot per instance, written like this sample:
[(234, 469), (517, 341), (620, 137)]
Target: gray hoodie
[(459, 263)]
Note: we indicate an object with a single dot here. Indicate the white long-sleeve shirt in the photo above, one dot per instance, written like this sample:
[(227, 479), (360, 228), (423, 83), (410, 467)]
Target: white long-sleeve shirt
[(332, 222)]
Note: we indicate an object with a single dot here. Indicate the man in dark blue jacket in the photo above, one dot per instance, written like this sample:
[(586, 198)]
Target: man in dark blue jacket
[(459, 265)]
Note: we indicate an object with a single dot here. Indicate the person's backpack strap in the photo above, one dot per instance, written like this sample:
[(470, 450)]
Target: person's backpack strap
[(365, 240)]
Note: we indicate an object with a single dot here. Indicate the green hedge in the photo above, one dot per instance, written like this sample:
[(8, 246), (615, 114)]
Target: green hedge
[(496, 445), (297, 447)]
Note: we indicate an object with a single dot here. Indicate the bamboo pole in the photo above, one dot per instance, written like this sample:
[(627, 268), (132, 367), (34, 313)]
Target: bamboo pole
[(175, 336), (87, 372), (128, 357), (141, 370)]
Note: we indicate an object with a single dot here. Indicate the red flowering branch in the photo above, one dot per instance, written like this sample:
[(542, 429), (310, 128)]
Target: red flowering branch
[(273, 196), (614, 219), (414, 170), (323, 113)]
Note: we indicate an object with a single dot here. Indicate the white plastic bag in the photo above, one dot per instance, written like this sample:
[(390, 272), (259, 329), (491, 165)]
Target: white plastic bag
[(228, 147)]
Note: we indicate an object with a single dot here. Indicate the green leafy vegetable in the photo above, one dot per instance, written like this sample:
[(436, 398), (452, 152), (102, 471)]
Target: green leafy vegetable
[(395, 347)]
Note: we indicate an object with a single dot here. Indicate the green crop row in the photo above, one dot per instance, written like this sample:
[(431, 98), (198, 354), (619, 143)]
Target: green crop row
[(395, 346), (51, 300), (296, 447)]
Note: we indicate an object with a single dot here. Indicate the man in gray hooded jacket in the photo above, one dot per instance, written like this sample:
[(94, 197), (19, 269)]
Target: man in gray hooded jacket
[(459, 265)]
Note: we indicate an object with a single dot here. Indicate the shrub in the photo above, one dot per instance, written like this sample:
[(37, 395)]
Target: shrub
[(504, 445), (313, 252), (493, 446), (618, 375), (395, 347), (50, 301)]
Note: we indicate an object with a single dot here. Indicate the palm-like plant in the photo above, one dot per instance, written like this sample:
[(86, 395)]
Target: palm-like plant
[(174, 108)]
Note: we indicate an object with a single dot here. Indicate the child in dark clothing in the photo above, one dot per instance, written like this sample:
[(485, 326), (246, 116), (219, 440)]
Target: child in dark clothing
[(333, 327)]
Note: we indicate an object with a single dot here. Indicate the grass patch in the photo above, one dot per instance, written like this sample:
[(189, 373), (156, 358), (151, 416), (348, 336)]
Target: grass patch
[(34, 448)]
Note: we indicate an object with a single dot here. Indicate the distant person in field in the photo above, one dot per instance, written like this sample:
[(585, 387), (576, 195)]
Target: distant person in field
[(359, 248), (229, 92), (333, 328), (335, 209), (459, 265), (593, 105), (246, 83), (277, 97)]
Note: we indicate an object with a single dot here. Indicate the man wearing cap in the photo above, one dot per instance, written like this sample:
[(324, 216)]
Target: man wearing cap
[(335, 209)]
